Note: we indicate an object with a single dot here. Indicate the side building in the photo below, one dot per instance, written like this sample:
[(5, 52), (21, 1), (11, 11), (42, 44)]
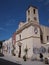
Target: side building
[(7, 47)]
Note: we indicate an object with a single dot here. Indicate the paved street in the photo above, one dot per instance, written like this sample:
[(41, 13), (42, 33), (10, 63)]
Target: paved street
[(10, 60), (34, 63), (2, 62)]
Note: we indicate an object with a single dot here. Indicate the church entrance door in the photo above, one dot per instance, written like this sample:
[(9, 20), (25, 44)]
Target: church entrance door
[(19, 55)]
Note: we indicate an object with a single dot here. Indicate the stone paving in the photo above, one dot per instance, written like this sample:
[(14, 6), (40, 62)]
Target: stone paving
[(6, 62), (21, 61)]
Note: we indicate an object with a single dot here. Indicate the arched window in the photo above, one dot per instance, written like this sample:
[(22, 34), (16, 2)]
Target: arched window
[(28, 12)]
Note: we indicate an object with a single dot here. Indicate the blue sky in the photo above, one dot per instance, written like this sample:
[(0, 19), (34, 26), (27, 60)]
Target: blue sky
[(14, 11)]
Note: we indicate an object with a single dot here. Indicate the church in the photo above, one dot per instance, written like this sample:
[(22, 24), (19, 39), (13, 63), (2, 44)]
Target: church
[(30, 36)]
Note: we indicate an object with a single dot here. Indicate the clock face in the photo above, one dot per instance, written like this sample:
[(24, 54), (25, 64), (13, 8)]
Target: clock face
[(35, 30)]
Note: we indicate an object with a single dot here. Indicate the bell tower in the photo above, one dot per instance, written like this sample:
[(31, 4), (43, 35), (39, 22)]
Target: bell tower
[(32, 14)]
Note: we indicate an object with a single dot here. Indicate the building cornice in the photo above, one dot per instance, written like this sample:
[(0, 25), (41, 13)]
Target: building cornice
[(28, 38)]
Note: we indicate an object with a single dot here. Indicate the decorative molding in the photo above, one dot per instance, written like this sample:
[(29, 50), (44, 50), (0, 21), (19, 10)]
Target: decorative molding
[(28, 38)]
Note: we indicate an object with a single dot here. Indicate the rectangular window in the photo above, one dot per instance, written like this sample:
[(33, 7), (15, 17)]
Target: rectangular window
[(20, 37), (34, 11)]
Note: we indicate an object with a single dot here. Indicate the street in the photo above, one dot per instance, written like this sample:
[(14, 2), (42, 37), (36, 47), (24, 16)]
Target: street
[(2, 62), (5, 62), (12, 60)]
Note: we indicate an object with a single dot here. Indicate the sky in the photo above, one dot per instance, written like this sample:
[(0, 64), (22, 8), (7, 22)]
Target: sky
[(14, 11)]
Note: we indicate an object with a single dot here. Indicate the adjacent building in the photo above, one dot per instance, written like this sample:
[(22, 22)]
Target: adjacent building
[(7, 47)]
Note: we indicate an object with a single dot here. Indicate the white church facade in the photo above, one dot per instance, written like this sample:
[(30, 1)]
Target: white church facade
[(30, 34)]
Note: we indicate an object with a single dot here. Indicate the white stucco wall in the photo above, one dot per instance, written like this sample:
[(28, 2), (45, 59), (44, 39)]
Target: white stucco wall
[(17, 37), (36, 42), (29, 39), (28, 32), (26, 42)]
